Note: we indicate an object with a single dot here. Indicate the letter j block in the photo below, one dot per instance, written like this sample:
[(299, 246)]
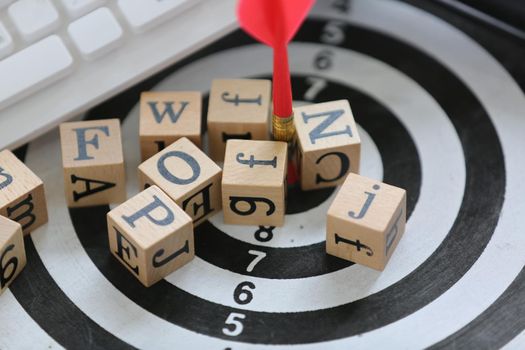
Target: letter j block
[(93, 162), (22, 197), (12, 252), (150, 235), (329, 146), (366, 221)]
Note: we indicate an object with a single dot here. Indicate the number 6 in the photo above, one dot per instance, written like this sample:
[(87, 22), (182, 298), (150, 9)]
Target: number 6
[(233, 319)]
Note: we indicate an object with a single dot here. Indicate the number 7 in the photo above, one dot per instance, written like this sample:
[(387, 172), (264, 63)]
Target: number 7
[(258, 257)]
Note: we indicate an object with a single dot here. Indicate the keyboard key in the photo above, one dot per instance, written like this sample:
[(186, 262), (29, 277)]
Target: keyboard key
[(32, 68), (5, 2), (96, 33), (144, 14), (34, 19), (77, 8), (6, 42)]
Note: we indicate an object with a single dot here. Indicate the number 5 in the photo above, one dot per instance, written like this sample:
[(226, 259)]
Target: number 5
[(233, 319)]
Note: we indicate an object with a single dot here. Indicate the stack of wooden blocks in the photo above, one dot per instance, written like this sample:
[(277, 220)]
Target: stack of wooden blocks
[(151, 234)]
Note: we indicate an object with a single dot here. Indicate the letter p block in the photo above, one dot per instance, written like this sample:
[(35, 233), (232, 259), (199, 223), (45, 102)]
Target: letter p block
[(150, 235), (329, 146)]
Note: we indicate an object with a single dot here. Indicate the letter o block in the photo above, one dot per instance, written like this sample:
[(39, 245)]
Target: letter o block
[(188, 176), (150, 235), (254, 182), (329, 146), (22, 197), (93, 162), (12, 252), (366, 221)]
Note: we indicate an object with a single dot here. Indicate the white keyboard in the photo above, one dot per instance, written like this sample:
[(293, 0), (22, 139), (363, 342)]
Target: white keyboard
[(58, 58)]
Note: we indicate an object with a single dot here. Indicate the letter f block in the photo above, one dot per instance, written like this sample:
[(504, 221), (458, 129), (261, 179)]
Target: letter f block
[(254, 182), (93, 162), (366, 221), (150, 235), (22, 197), (329, 146)]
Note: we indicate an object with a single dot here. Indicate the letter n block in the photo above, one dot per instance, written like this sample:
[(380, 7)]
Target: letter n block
[(12, 252), (150, 235), (93, 162), (188, 176), (238, 109), (366, 221), (254, 182), (22, 196), (328, 144), (167, 116)]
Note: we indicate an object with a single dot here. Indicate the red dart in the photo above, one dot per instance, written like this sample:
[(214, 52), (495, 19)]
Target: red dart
[(275, 22)]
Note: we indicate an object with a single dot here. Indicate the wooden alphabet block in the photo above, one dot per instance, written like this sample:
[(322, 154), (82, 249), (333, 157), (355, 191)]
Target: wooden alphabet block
[(12, 252), (366, 221), (254, 182), (93, 162), (238, 109), (328, 144), (150, 235), (167, 116), (22, 196), (188, 176)]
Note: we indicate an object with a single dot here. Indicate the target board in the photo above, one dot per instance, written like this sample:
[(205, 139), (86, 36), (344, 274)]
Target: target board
[(439, 116)]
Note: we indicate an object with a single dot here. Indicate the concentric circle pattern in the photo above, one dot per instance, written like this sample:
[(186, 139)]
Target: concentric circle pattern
[(429, 123)]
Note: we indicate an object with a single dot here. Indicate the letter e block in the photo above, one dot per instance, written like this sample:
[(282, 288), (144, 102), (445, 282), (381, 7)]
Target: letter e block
[(93, 162), (254, 182), (150, 235), (238, 109), (22, 197), (188, 176), (12, 252), (165, 117), (366, 221), (328, 144)]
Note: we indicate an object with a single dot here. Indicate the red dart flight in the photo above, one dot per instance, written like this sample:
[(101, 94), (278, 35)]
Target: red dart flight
[(274, 23)]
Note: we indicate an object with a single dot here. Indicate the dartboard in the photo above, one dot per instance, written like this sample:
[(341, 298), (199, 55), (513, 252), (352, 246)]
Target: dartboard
[(439, 114)]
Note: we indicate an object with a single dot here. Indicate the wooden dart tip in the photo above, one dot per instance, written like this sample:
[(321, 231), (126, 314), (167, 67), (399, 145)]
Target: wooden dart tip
[(283, 128)]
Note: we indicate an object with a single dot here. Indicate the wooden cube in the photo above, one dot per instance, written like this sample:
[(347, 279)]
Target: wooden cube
[(12, 252), (188, 176), (150, 235), (328, 144), (93, 162), (22, 196), (366, 221), (254, 182), (238, 109), (167, 116)]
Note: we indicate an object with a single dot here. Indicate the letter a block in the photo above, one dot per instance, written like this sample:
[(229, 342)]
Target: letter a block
[(188, 176), (366, 221), (254, 182), (12, 252), (93, 162), (22, 196), (165, 117), (238, 109), (328, 144), (150, 235)]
